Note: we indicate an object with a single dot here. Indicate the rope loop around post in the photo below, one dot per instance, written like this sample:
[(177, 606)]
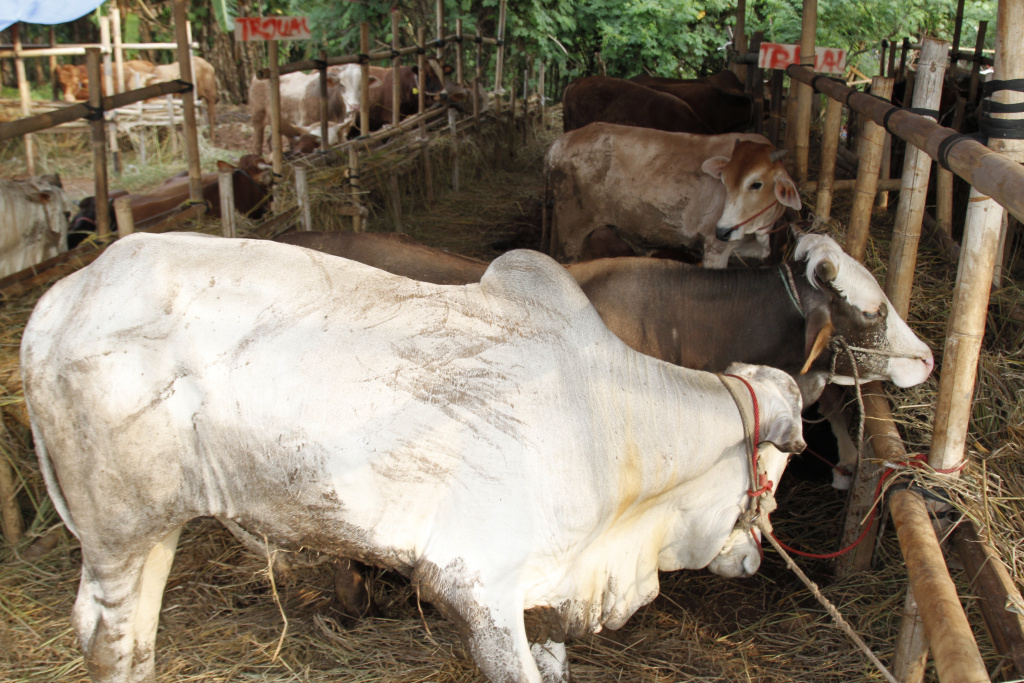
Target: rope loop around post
[(320, 64), (95, 113), (364, 58)]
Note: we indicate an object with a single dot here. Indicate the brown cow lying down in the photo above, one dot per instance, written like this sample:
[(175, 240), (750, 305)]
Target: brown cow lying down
[(617, 190), (74, 78), (250, 180), (614, 100), (705, 319)]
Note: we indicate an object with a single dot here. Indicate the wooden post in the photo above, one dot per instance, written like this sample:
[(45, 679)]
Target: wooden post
[(977, 264), (25, 94), (872, 136), (903, 59), (881, 58), (911, 657), (108, 90), (125, 216), (478, 79), (421, 64), (396, 65), (57, 94), (302, 193), (805, 92), (428, 167), (949, 634), (188, 102), (540, 92), (972, 95), (324, 132), (115, 27), (789, 161), (499, 63), (226, 190), (364, 62), (755, 87), (99, 143), (276, 147), (396, 201), (775, 115), (454, 132), (917, 166), (13, 526), (739, 39), (458, 51), (829, 149), (957, 32), (439, 52), (356, 189), (891, 72)]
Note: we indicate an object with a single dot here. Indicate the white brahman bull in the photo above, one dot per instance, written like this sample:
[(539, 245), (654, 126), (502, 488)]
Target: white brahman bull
[(622, 190), (494, 441), (33, 223)]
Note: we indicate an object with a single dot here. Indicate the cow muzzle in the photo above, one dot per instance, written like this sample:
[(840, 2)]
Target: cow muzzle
[(741, 556), (727, 234)]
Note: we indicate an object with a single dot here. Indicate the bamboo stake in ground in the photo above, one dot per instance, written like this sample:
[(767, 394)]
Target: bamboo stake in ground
[(10, 511), (115, 28), (99, 143), (356, 189), (829, 149), (125, 216), (421, 65), (324, 134), (302, 194), (188, 103), (364, 65), (805, 92), (867, 176), (108, 90), (25, 95), (276, 151), (428, 170), (911, 657), (739, 40), (458, 51), (227, 202), (396, 64), (499, 63), (917, 166)]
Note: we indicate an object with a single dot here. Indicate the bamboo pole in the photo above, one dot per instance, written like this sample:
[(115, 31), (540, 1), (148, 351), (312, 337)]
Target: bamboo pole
[(903, 59), (125, 216), (302, 193), (115, 28), (25, 95), (364, 64), (188, 102), (428, 169), (276, 146), (458, 51), (108, 90), (172, 130), (99, 143), (324, 132), (949, 634), (881, 58), (739, 40), (917, 166), (355, 188), (53, 66), (789, 161), (829, 149), (396, 65), (478, 79), (775, 114), (499, 63), (957, 32), (13, 526), (805, 92), (872, 135), (972, 95), (226, 190), (439, 53), (421, 65), (540, 91), (911, 657), (755, 86)]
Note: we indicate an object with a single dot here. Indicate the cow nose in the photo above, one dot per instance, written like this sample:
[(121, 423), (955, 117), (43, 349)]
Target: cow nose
[(723, 233)]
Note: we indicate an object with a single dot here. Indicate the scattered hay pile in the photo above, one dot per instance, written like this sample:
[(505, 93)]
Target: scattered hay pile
[(222, 620)]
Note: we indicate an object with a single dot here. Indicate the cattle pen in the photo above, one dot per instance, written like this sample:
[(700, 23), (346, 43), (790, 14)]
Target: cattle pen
[(773, 629)]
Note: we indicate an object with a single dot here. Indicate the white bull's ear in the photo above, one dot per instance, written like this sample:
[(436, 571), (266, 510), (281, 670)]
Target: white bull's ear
[(714, 166), (786, 192)]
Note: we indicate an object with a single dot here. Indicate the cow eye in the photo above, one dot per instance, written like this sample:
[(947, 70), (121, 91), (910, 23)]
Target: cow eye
[(756, 186), (875, 315)]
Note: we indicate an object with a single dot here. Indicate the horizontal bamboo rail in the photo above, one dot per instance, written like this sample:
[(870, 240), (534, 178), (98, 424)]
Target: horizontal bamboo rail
[(72, 50), (991, 173)]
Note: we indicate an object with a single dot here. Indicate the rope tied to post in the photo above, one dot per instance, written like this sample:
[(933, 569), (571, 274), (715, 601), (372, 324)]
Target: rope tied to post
[(95, 113), (364, 58), (1005, 129)]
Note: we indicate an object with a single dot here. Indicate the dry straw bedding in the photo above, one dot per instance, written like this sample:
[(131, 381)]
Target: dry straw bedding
[(223, 620)]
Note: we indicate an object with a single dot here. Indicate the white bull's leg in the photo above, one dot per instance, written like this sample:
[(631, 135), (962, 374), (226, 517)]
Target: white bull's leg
[(832, 408), (552, 661), (117, 609), (496, 639)]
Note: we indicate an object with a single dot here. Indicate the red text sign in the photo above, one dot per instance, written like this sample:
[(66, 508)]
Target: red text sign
[(272, 28), (777, 56)]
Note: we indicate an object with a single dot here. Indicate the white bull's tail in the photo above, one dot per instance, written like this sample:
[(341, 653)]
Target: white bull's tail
[(49, 475)]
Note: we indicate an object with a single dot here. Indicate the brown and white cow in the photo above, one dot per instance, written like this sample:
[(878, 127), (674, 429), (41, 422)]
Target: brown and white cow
[(33, 222), (250, 181), (614, 100), (300, 103), (618, 190), (204, 77)]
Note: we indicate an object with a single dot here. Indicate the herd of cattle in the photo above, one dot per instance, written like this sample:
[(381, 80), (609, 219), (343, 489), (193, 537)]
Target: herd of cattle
[(528, 442)]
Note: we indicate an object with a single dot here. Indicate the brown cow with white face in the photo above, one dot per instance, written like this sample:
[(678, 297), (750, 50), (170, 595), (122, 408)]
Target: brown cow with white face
[(622, 190)]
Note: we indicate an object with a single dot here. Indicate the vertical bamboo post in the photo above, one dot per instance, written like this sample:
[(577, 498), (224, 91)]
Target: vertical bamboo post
[(364, 63), (881, 57), (53, 65), (891, 71), (125, 216), (739, 40), (172, 128), (957, 32), (789, 161), (108, 90), (867, 176), (884, 172), (276, 150), (188, 101), (903, 59), (478, 79), (540, 92), (439, 53), (324, 132), (526, 99), (911, 657), (977, 264), (755, 86), (396, 201), (99, 142), (775, 115), (917, 166), (805, 92), (454, 132), (226, 191), (25, 96), (396, 65), (421, 65), (972, 94), (428, 167), (356, 189), (115, 27), (944, 200), (458, 51), (499, 62), (827, 169), (302, 193)]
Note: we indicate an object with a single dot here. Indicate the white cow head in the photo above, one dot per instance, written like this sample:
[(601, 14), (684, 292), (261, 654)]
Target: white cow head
[(856, 308), (757, 189), (347, 78)]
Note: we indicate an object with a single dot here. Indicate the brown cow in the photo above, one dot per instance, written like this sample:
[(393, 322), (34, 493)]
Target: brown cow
[(725, 111), (439, 87), (724, 80), (614, 100), (74, 78), (203, 75), (646, 190), (300, 102), (250, 181)]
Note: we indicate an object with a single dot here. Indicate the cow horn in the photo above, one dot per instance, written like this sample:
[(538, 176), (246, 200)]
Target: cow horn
[(820, 343), (826, 271), (777, 154)]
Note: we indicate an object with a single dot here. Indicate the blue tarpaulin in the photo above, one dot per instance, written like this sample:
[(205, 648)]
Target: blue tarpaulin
[(44, 11)]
